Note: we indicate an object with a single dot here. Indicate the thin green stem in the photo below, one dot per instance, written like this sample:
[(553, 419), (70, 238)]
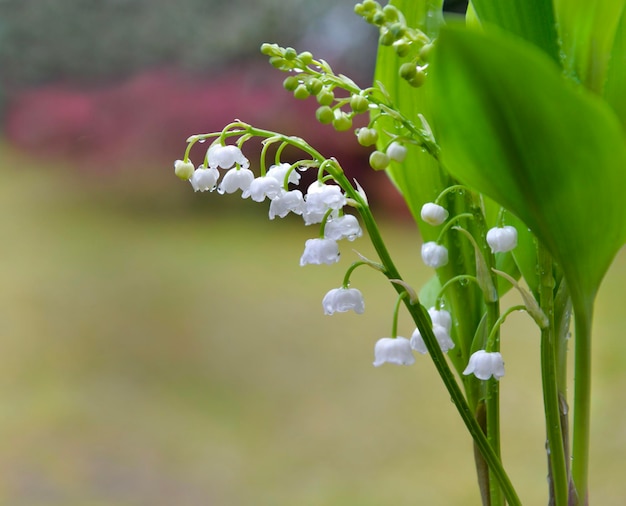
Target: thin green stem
[(359, 263), (554, 430), (396, 309), (450, 189), (582, 404), (451, 222), (491, 339)]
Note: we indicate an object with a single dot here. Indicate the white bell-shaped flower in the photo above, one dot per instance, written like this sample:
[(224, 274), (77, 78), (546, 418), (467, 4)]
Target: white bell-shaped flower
[(236, 179), (343, 227), (484, 364), (322, 197), (319, 199), (393, 351), (434, 255), (262, 187), (314, 217), (279, 172), (441, 317), (434, 214), (320, 251), (287, 202), (443, 338), (204, 179), (396, 151), (183, 170), (226, 157), (417, 342), (502, 239), (340, 300)]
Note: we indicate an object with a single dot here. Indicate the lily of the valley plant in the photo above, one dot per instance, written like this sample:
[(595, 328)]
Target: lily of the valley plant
[(505, 134)]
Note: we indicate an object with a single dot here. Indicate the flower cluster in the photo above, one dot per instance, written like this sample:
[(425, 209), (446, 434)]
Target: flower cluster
[(322, 204)]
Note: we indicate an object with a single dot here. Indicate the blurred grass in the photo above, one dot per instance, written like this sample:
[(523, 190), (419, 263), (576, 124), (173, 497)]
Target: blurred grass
[(159, 348)]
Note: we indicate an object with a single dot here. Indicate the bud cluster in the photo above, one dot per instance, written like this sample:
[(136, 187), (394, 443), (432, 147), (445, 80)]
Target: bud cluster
[(407, 42), (312, 78), (315, 78)]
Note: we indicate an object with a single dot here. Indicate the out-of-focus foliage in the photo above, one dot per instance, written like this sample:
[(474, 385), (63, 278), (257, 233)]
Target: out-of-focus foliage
[(86, 40)]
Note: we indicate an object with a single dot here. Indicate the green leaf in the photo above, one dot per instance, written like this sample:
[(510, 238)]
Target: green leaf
[(510, 126), (532, 20), (525, 254), (615, 86), (425, 180), (588, 31)]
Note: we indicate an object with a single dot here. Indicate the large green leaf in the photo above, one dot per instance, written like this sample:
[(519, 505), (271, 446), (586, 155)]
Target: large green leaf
[(510, 126), (615, 86), (532, 20), (588, 30)]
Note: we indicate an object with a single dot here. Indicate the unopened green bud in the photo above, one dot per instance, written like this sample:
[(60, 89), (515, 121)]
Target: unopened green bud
[(277, 61), (402, 47), (391, 13), (359, 9), (325, 97), (426, 51), (269, 49), (359, 104), (378, 19), (342, 122), (386, 38), (183, 170), (301, 93), (290, 54), (325, 115), (371, 5), (379, 160), (305, 57), (418, 79), (398, 30), (408, 70), (367, 136), (314, 86), (291, 83)]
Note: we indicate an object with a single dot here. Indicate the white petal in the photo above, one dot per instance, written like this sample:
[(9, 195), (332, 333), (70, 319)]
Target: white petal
[(393, 351), (340, 300), (433, 214), (286, 202), (441, 317), (320, 251), (324, 197), (417, 342), (343, 227), (279, 172), (236, 179), (434, 255), (396, 151), (226, 157), (262, 187), (204, 179), (443, 338), (502, 239), (485, 364)]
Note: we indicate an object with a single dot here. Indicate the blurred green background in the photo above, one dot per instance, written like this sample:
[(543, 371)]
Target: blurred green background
[(162, 347)]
